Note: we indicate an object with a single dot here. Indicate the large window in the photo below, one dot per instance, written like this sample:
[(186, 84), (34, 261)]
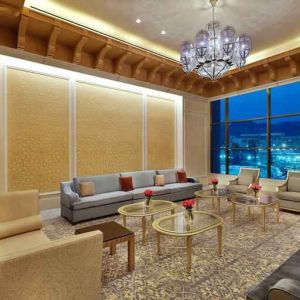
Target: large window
[(258, 130)]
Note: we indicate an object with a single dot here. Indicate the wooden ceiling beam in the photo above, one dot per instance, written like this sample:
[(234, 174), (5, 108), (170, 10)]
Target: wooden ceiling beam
[(137, 68), (52, 41), (120, 61), (179, 80), (253, 77), (153, 72), (77, 53), (222, 86), (167, 76), (22, 31), (236, 81), (271, 70), (293, 66), (190, 84), (101, 55), (9, 10)]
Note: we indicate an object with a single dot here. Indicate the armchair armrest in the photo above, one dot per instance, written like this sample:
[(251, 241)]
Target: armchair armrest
[(282, 188), (233, 181), (68, 268), (286, 288), (67, 195), (193, 179)]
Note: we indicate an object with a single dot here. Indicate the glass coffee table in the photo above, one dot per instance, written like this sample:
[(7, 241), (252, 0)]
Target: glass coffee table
[(177, 225), (210, 193), (263, 202), (139, 210)]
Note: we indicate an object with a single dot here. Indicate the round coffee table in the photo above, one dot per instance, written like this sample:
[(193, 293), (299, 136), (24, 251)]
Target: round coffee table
[(210, 193), (177, 225), (139, 210), (262, 202)]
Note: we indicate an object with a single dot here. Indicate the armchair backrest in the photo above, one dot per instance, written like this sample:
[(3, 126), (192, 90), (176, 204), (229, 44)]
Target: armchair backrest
[(19, 213), (248, 176), (293, 181)]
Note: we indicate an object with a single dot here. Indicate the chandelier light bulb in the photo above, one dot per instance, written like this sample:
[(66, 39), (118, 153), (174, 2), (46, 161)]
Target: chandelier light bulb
[(215, 50)]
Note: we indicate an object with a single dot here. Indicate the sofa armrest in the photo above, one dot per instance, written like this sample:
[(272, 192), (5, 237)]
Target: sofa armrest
[(286, 288), (193, 179), (67, 195), (233, 181), (68, 268), (281, 188)]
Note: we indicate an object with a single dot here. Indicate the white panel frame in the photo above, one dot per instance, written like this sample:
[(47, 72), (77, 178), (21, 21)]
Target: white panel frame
[(73, 78)]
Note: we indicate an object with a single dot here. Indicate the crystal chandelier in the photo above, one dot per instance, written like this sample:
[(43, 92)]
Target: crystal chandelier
[(215, 50)]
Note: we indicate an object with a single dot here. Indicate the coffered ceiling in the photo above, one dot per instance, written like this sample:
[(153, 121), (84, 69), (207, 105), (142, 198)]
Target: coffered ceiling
[(273, 24)]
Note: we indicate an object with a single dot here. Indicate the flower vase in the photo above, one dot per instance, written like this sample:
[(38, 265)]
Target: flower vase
[(147, 202), (189, 216), (214, 187)]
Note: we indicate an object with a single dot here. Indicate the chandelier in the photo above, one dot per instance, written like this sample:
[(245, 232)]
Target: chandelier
[(215, 50)]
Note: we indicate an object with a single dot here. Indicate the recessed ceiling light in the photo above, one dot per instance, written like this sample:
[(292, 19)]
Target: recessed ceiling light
[(163, 32), (138, 21)]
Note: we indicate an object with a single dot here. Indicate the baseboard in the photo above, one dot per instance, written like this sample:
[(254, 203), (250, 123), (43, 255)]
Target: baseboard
[(48, 201)]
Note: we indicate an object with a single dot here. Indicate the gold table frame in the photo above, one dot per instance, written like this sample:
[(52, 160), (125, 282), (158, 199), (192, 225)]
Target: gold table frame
[(188, 236)]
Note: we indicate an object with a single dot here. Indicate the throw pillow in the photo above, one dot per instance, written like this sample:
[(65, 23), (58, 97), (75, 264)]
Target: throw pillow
[(159, 180), (181, 177), (87, 189), (126, 183)]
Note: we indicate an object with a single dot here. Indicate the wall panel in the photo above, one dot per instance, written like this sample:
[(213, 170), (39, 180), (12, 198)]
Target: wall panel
[(37, 131), (109, 130), (160, 133)]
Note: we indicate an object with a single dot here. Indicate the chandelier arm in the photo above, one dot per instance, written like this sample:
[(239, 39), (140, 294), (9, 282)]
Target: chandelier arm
[(221, 70), (208, 74)]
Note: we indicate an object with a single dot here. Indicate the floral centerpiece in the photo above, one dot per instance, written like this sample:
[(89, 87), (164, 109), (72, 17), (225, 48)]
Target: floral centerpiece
[(188, 205), (255, 187), (214, 181), (148, 195)]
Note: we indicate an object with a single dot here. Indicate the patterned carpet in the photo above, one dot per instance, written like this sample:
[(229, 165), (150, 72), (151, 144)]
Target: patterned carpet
[(249, 255)]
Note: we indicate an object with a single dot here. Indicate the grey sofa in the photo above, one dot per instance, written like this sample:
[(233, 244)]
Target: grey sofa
[(241, 183), (108, 196), (282, 284), (289, 193)]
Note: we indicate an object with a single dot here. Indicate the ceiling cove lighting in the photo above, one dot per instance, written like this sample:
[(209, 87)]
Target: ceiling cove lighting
[(215, 50)]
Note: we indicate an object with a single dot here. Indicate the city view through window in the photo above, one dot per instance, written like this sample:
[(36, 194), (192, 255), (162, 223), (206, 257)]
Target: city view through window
[(258, 129)]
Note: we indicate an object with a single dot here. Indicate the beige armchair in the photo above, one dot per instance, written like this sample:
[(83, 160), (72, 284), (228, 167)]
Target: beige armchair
[(289, 192), (245, 178), (33, 267)]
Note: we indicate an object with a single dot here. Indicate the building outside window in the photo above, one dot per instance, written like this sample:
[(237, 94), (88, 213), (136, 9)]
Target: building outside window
[(260, 129)]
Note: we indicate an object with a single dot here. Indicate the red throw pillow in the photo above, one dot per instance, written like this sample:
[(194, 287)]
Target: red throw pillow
[(181, 176), (126, 183)]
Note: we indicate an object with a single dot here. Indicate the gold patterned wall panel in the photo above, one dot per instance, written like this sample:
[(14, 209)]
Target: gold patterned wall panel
[(37, 131), (109, 130), (160, 133)]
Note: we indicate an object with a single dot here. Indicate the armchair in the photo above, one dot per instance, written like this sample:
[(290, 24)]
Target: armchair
[(33, 267), (245, 178), (289, 192)]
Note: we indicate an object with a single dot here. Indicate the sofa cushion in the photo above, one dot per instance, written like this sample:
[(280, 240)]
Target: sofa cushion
[(22, 242), (170, 175), (103, 183), (242, 189), (246, 177), (294, 183), (176, 187), (291, 196), (126, 183), (87, 189), (157, 190), (181, 176), (102, 199), (159, 180), (141, 178)]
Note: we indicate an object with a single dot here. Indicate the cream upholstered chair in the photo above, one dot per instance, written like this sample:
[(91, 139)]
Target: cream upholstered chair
[(33, 267), (246, 177), (289, 193)]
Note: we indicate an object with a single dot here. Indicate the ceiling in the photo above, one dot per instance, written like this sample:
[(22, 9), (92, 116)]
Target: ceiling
[(274, 25)]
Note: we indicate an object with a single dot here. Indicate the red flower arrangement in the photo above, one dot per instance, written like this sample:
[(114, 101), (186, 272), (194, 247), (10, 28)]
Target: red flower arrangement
[(255, 187), (148, 193), (188, 204), (214, 181)]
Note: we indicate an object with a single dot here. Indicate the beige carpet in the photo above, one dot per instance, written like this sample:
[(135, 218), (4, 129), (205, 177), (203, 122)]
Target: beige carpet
[(249, 255)]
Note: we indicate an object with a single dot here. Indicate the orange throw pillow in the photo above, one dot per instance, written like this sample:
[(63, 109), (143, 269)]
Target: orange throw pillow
[(126, 183), (181, 177), (87, 189)]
